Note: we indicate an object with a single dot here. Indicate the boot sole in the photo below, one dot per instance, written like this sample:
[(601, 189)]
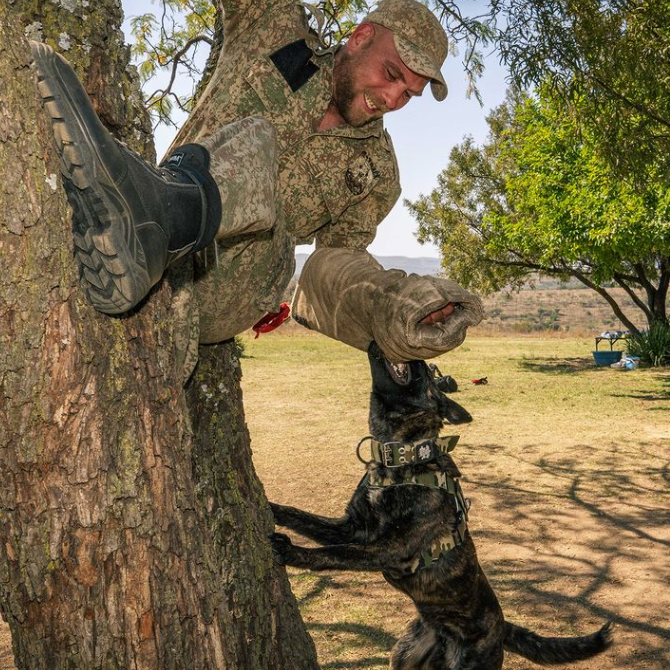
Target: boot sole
[(112, 268)]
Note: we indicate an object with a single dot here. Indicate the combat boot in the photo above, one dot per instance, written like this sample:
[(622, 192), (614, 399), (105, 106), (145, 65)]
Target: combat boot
[(131, 220)]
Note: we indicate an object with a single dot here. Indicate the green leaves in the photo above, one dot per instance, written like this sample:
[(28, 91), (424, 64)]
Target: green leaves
[(169, 47), (612, 55), (569, 202), (652, 345)]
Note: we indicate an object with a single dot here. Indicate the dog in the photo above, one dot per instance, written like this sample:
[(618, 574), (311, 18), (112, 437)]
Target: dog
[(408, 519)]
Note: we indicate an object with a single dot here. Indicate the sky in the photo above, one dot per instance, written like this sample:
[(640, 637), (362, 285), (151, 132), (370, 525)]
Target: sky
[(423, 134)]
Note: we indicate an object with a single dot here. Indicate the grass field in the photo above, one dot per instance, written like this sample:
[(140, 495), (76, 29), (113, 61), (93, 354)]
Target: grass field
[(567, 466)]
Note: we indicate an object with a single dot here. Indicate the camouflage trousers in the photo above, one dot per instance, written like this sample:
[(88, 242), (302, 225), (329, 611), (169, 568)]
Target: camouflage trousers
[(242, 275)]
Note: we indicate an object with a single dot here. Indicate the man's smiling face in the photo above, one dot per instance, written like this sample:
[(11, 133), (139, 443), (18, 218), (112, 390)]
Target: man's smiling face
[(369, 77)]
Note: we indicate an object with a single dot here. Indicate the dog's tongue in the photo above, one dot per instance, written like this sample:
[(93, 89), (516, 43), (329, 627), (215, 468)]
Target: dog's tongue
[(400, 372)]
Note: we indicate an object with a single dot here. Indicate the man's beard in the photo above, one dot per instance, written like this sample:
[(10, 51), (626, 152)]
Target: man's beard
[(344, 90)]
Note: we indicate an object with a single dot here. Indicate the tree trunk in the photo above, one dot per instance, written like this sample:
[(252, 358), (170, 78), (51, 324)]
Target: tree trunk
[(125, 542)]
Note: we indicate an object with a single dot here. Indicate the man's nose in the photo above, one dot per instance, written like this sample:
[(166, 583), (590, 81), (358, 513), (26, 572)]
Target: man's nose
[(393, 98)]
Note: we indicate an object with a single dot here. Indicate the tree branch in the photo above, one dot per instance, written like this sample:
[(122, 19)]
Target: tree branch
[(610, 301), (619, 279), (176, 60)]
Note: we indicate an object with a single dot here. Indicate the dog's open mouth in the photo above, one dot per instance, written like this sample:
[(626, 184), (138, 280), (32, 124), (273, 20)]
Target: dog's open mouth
[(400, 372)]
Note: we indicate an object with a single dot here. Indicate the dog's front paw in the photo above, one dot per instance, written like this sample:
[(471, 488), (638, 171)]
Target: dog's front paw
[(283, 548)]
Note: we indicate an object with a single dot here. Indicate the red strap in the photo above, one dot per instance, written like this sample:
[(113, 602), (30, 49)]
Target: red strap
[(272, 320)]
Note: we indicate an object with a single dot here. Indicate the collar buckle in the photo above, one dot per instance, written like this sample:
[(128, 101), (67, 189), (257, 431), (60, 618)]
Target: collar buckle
[(395, 454), (399, 454)]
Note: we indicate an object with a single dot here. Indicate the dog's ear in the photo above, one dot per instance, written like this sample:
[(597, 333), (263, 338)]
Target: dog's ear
[(448, 409), (451, 411)]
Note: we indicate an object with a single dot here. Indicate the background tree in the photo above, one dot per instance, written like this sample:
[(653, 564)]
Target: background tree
[(613, 57), (539, 197), (133, 528)]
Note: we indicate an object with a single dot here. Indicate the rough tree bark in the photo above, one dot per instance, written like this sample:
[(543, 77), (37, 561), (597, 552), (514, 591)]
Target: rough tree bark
[(130, 537)]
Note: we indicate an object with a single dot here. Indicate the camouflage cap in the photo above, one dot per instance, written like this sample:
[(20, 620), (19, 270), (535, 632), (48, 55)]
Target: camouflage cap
[(419, 38)]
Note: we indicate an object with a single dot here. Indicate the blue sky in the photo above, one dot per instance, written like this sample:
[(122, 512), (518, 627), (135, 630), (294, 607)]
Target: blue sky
[(423, 134)]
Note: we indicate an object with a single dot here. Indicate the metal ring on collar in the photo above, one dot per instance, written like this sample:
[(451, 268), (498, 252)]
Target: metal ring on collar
[(358, 449)]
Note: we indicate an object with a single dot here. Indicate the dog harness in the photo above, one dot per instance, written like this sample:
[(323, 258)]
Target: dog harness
[(400, 454)]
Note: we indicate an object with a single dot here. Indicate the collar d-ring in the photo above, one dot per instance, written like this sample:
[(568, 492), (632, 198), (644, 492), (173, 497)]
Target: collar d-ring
[(358, 449)]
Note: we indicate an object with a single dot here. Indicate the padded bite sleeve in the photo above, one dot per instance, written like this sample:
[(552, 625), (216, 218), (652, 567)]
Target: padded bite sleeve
[(347, 295)]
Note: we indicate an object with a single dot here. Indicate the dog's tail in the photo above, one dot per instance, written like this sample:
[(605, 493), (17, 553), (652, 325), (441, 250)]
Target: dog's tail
[(555, 650)]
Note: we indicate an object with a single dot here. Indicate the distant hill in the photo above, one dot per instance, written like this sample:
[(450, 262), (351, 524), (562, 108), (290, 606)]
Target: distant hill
[(421, 266)]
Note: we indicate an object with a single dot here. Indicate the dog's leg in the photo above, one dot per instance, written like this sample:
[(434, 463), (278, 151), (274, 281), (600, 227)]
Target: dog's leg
[(491, 660), (484, 652), (417, 649), (343, 557), (321, 529)]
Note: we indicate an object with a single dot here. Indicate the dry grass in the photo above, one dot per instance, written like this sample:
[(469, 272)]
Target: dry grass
[(566, 464)]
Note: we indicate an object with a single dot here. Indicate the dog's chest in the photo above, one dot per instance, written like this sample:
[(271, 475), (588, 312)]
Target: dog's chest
[(375, 498), (405, 504)]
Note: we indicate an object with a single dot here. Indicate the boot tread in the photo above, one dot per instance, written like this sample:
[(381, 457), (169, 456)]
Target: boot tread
[(112, 270)]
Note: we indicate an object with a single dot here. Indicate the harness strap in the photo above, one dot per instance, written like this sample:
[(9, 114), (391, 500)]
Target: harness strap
[(396, 454), (441, 545), (453, 537)]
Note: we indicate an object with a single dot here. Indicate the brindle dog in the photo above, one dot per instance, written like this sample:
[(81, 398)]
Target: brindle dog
[(393, 524)]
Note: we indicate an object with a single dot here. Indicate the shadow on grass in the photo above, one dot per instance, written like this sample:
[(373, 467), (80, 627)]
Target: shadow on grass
[(322, 584), (370, 637), (650, 396), (615, 515), (566, 366), (354, 665), (665, 473), (561, 583)]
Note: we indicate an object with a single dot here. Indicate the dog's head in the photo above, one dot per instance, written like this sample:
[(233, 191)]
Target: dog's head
[(406, 404)]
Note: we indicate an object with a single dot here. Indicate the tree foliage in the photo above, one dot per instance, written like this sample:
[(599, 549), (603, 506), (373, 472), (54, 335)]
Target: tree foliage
[(611, 55), (538, 196), (171, 44)]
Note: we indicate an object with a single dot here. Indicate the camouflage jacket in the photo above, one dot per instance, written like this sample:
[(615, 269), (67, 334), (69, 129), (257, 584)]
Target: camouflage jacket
[(336, 185)]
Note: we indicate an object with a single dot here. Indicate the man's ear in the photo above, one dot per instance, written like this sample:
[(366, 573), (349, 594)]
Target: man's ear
[(361, 37)]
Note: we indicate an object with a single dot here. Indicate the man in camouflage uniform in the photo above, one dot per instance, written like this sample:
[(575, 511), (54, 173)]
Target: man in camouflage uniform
[(287, 146)]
